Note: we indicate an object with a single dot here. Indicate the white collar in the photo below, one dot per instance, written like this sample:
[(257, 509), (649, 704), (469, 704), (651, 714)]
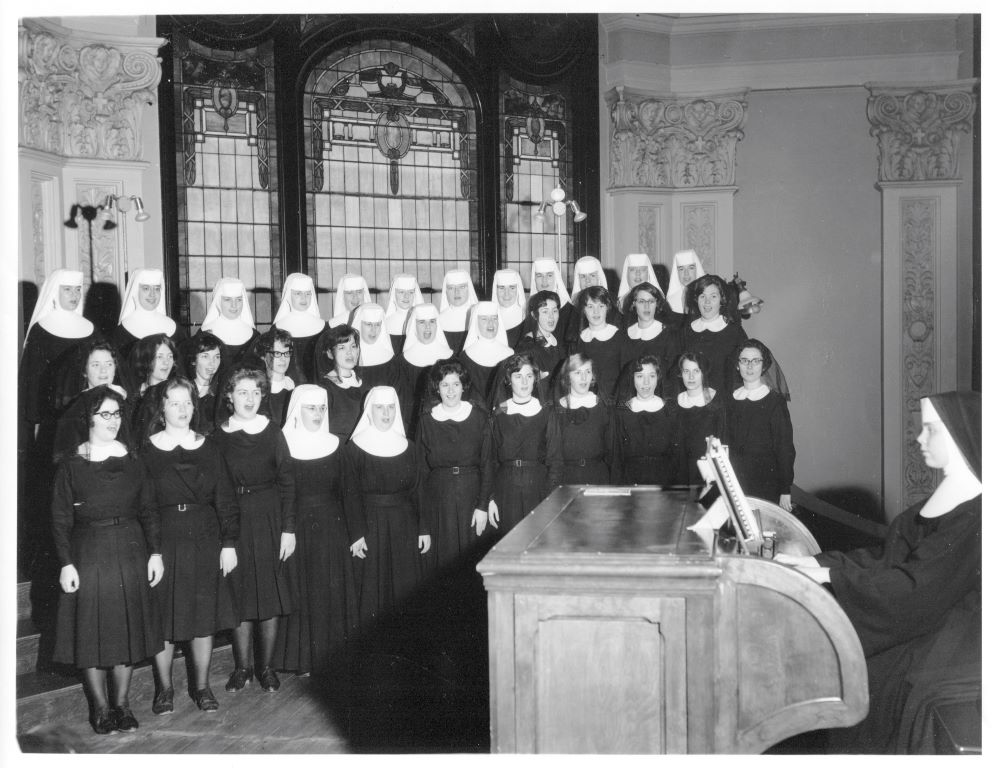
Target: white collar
[(353, 381), (103, 451), (438, 412), (189, 441), (604, 333), (255, 426), (488, 353), (377, 353), (511, 316), (300, 324), (384, 444), (549, 339), (454, 319), (649, 405), (714, 325), (686, 400), (306, 445), (66, 325), (529, 408), (651, 331), (286, 383), (757, 393), (588, 400), (396, 322), (145, 322), (231, 332), (422, 355), (341, 318)]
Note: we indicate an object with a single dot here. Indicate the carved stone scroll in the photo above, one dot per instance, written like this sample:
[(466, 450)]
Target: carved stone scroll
[(83, 99), (918, 129), (676, 142)]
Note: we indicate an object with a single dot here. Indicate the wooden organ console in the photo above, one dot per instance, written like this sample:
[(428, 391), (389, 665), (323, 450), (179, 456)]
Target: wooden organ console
[(616, 629)]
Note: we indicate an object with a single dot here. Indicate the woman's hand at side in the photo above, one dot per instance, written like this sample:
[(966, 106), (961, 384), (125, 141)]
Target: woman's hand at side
[(494, 514), (227, 560), (479, 519), (287, 546), (69, 579), (154, 569), (785, 502), (359, 548), (424, 543)]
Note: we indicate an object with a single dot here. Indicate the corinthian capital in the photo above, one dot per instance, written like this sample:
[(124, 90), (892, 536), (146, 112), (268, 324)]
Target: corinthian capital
[(918, 129), (84, 97), (675, 142)]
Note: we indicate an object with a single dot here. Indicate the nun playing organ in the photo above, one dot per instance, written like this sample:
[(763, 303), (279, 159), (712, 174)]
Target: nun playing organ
[(381, 485), (916, 599)]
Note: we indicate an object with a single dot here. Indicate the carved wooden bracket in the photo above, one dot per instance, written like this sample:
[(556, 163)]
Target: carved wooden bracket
[(675, 142)]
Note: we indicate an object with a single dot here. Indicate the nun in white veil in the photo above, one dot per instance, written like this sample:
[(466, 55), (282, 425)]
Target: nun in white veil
[(685, 270), (547, 276), (377, 364), (485, 348), (424, 345), (352, 292), (144, 312), (229, 317), (315, 637), (457, 297), (298, 313), (381, 485), (404, 293), (508, 295), (637, 268)]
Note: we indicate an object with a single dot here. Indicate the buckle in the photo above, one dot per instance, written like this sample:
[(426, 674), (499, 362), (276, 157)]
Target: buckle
[(182, 507), (456, 470)]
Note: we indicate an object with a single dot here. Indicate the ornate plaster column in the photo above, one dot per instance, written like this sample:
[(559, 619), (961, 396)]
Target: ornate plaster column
[(918, 130), (86, 107), (673, 170)]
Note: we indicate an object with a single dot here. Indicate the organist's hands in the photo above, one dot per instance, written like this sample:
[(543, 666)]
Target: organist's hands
[(797, 561)]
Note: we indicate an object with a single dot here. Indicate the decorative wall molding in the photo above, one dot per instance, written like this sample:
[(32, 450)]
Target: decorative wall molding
[(715, 23), (649, 216), (918, 128), (699, 222), (675, 142), (84, 98)]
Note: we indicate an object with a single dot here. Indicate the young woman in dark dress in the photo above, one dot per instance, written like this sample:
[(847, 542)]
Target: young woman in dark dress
[(378, 364), (344, 387), (514, 449), (153, 361), (404, 294), (276, 350), (601, 338), (200, 525), (582, 445), (202, 358), (229, 317), (710, 332), (144, 312), (646, 427), (298, 314), (449, 443), (261, 470), (485, 349), (547, 276), (425, 344), (916, 599), (699, 412), (541, 342), (646, 334), (107, 539), (381, 484), (508, 295), (315, 637), (759, 429)]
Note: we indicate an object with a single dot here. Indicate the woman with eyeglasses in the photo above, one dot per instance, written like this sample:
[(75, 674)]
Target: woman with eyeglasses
[(261, 469), (601, 338), (710, 333), (298, 314), (699, 412), (106, 528), (277, 351), (345, 389), (582, 443), (646, 334), (200, 525), (759, 429), (315, 637), (542, 342)]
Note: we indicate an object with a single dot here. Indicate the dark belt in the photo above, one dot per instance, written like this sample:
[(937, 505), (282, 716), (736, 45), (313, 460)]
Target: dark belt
[(583, 462), (456, 470), (386, 499), (243, 490), (106, 521), (521, 463), (187, 507)]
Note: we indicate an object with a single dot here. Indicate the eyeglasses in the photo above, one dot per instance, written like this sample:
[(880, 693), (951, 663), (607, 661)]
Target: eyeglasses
[(279, 355), (750, 361), (645, 302), (109, 415)]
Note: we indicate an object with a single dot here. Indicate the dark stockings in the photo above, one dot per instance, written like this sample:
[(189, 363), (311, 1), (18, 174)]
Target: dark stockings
[(267, 635), (200, 649), (95, 683)]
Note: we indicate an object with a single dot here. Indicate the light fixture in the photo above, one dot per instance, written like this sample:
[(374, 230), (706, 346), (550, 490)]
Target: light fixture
[(578, 215), (112, 203), (559, 204)]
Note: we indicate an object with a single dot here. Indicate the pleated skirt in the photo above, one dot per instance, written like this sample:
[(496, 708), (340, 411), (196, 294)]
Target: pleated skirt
[(260, 579)]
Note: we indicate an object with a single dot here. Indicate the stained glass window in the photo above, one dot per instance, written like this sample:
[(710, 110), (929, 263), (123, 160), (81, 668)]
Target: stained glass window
[(391, 183), (227, 203)]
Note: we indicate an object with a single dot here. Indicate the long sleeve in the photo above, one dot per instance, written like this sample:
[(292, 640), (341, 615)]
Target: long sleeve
[(148, 512), (921, 575), (784, 447), (227, 508), (424, 517), (491, 462), (553, 449), (352, 494), (613, 448), (62, 513), (286, 483)]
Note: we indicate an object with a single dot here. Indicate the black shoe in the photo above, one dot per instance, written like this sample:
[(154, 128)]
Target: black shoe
[(269, 680), (205, 700), (163, 701), (239, 679), (103, 722), (126, 721)]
